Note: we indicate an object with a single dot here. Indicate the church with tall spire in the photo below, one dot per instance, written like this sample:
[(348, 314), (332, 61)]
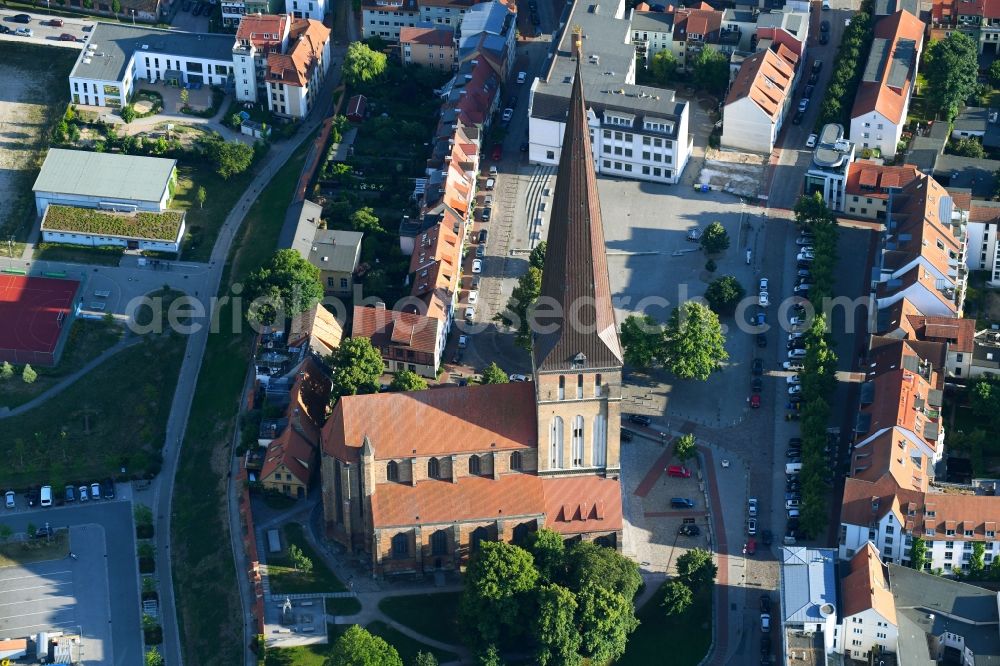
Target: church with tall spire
[(415, 481)]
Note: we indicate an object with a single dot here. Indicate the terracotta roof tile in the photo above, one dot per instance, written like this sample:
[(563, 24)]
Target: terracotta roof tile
[(428, 36), (318, 327), (291, 451), (265, 31), (578, 504), (879, 95), (869, 179), (307, 40), (440, 421), (867, 586), (765, 79), (890, 454), (941, 329), (392, 327)]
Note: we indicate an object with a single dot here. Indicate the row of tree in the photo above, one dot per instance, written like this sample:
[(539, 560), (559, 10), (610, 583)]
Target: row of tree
[(28, 374), (819, 365), (691, 345), (847, 68), (709, 70), (695, 575), (518, 313)]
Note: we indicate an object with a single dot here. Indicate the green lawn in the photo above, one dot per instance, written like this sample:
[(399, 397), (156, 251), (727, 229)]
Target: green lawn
[(87, 339), (203, 224), (79, 254), (114, 417), (36, 550), (433, 615), (687, 636), (33, 77), (407, 647), (204, 572), (343, 606), (285, 579)]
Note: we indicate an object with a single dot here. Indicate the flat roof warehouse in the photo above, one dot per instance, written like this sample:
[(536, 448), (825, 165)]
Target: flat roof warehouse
[(84, 173)]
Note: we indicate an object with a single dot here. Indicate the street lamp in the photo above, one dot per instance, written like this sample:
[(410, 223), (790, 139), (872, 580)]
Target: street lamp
[(133, 16)]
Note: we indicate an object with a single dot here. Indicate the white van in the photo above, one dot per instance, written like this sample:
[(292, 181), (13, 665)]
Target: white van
[(793, 513), (793, 468), (46, 496)]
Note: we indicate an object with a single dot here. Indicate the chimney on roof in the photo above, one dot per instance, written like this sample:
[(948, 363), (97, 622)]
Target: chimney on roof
[(380, 305), (577, 42)]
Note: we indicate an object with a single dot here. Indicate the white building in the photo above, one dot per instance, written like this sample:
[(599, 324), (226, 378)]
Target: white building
[(757, 103), (295, 78), (808, 602), (257, 37), (384, 18), (831, 162), (309, 9), (883, 98), (869, 613), (136, 230), (116, 55), (637, 132), (652, 32), (444, 12), (489, 29), (104, 180)]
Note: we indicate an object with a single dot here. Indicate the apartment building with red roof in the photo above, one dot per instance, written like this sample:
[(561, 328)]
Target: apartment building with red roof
[(984, 239), (428, 45), (867, 606), (406, 340), (386, 18), (977, 19), (416, 481), (294, 78), (887, 81), (257, 37), (693, 28), (757, 103), (869, 185)]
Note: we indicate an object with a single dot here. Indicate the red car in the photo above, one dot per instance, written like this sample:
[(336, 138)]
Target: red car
[(679, 471), (497, 153), (751, 546), (755, 401), (66, 37)]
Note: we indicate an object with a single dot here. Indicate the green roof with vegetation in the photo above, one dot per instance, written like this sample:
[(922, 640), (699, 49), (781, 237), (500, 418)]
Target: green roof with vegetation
[(165, 226)]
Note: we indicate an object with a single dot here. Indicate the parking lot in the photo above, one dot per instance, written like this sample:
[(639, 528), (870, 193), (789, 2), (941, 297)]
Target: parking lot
[(81, 594)]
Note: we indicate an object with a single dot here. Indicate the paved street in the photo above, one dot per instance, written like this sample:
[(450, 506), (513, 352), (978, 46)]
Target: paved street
[(44, 32), (98, 589)]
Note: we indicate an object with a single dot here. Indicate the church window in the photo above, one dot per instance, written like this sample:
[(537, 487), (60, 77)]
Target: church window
[(599, 451), (433, 468), (578, 441), (597, 386), (478, 535), (515, 460), (556, 442), (392, 471), (579, 387), (439, 543), (474, 465), (562, 387), (400, 545)]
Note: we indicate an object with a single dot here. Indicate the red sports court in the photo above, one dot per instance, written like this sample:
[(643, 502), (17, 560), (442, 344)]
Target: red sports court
[(34, 313)]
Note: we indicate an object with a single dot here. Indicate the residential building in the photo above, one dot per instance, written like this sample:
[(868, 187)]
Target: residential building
[(883, 97), (890, 7), (335, 253), (306, 9), (870, 625), (444, 12), (257, 37), (788, 27), (979, 122), (758, 100), (488, 31), (638, 132), (652, 32), (407, 340), (385, 18), (117, 55), (985, 353), (922, 253), (234, 10), (134, 230), (869, 184), (428, 45), (295, 78), (977, 19), (984, 234), (291, 461), (698, 26), (972, 174), (109, 181), (807, 586), (418, 480), (279, 350), (315, 332), (957, 334), (831, 164)]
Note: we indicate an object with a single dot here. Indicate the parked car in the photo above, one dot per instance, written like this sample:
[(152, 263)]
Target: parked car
[(518, 378), (752, 507), (765, 623), (508, 113), (470, 314), (805, 256), (490, 183), (817, 65), (689, 530), (824, 38), (522, 77), (755, 401), (480, 251), (824, 26), (681, 503), (494, 171), (803, 104), (66, 37), (765, 603), (483, 235), (761, 340), (4, 30), (463, 341), (751, 547), (24, 32), (477, 265), (678, 471), (811, 141), (9, 501), (473, 297), (796, 353), (751, 526), (487, 212), (56, 22), (640, 419), (95, 491), (69, 494), (20, 18), (84, 495), (793, 379), (792, 365), (797, 118), (45, 496), (757, 367), (762, 299), (808, 92), (756, 385), (497, 154)]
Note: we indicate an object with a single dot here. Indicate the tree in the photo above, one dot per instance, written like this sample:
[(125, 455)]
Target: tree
[(153, 656), (230, 157), (554, 626), (711, 71), (696, 568), (994, 73), (684, 447), (235, 121), (357, 367), (300, 561), (128, 111), (549, 552), (517, 313), (404, 380), (714, 239), (5, 532), (497, 582), (200, 196), (642, 341), (694, 345), (968, 147), (724, 293), (918, 553), (286, 285), (6, 371), (951, 68), (358, 647), (678, 597), (362, 64), (537, 256), (663, 67), (425, 659), (491, 657), (605, 618), (365, 220), (586, 562), (28, 375), (977, 564), (185, 96), (811, 211), (492, 374)]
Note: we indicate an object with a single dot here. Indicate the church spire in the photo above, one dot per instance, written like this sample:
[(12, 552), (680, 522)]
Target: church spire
[(576, 269)]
